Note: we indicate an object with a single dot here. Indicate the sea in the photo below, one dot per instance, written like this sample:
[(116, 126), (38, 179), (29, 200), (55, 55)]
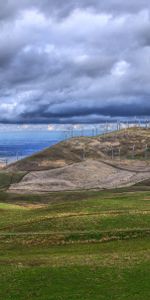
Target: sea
[(15, 145)]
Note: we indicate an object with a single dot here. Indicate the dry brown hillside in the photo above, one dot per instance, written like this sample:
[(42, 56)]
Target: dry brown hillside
[(125, 144), (88, 174)]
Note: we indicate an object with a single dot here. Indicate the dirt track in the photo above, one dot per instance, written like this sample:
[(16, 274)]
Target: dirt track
[(83, 175)]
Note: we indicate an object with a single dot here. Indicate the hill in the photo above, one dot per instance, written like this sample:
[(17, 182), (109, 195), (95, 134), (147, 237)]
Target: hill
[(108, 161), (124, 144), (89, 174)]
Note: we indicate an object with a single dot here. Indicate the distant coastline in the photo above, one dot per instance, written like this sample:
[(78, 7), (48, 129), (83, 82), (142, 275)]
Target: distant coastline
[(18, 145)]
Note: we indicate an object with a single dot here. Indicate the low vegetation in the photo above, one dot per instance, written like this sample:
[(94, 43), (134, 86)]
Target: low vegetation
[(8, 178), (82, 245)]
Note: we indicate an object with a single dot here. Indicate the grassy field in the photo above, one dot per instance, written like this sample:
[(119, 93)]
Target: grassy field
[(69, 246)]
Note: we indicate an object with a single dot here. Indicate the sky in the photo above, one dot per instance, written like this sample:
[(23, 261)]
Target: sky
[(76, 61)]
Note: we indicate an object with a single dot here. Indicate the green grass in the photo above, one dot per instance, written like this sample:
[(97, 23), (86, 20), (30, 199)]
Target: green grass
[(75, 283), (82, 245), (7, 178), (83, 283)]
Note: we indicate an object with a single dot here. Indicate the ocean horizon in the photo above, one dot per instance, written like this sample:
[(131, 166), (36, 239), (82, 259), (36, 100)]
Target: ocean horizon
[(16, 145)]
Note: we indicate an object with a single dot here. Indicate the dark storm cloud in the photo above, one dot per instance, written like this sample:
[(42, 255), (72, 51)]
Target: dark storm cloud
[(74, 61), (11, 8), (115, 111)]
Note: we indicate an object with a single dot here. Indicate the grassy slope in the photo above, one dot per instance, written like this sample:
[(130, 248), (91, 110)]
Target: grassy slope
[(8, 178), (85, 245)]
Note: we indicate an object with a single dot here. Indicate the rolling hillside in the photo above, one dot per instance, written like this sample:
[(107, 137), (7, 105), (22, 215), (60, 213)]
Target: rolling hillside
[(112, 145), (113, 160), (89, 174), (77, 244)]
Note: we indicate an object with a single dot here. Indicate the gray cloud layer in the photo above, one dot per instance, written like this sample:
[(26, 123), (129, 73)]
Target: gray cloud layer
[(74, 61)]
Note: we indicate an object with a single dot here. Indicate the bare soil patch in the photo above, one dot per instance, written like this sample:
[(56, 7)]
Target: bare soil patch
[(88, 174)]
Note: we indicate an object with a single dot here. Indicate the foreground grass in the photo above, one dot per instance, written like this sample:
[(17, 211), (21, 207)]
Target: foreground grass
[(85, 245), (116, 270), (74, 283)]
